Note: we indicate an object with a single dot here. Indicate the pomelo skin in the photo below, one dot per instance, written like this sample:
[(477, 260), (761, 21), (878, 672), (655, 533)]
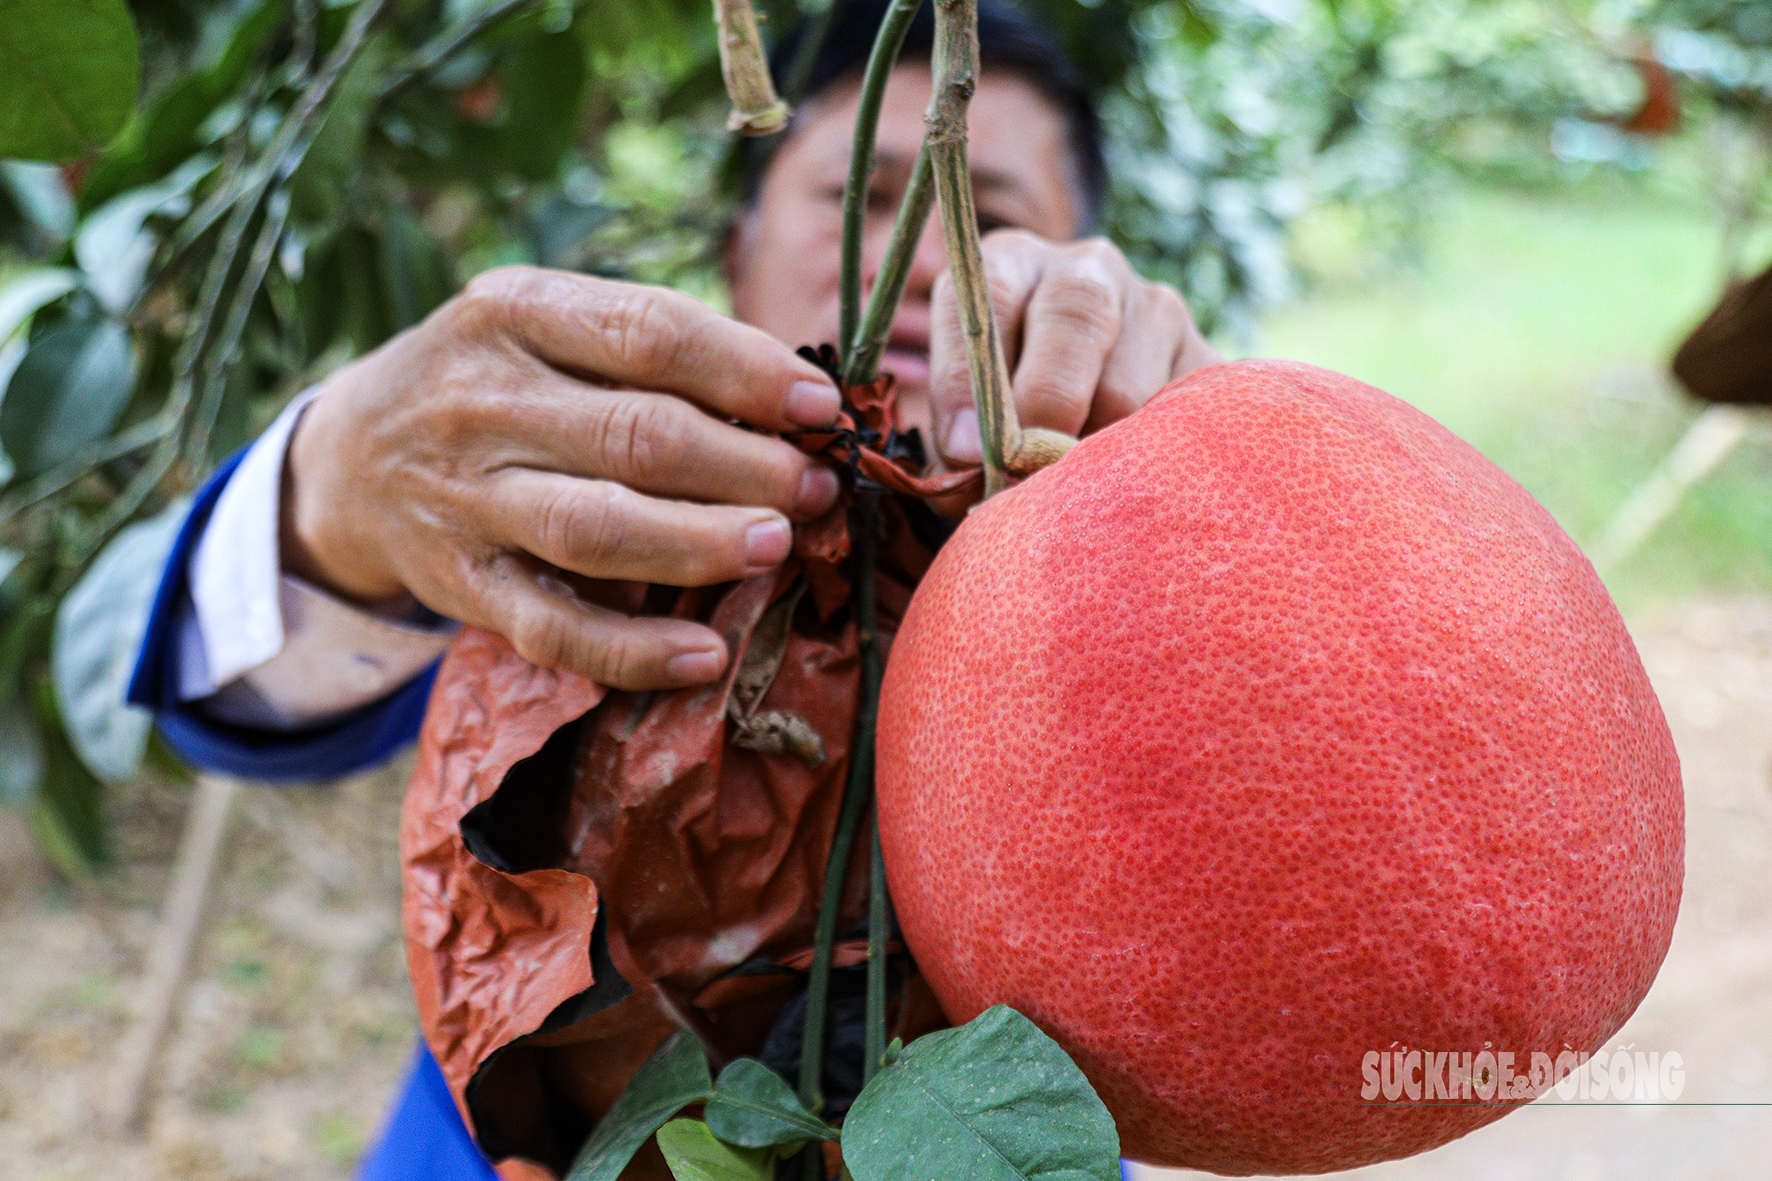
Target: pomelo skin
[(1272, 726)]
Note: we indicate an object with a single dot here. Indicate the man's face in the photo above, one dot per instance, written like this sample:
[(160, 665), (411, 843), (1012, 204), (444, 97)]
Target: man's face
[(783, 260)]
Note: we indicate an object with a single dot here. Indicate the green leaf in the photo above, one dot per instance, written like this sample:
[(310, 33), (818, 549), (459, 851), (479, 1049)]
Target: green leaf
[(67, 393), (543, 84), (321, 185), (68, 75), (755, 1108), (166, 130), (694, 1154), (416, 274), (114, 245), (21, 754), (98, 632), (67, 816), (994, 1100), (42, 196), (25, 294), (674, 1077)]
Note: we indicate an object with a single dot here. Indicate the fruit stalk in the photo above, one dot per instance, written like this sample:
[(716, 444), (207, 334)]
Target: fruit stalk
[(879, 932), (756, 110), (881, 60), (858, 790), (955, 64), (862, 353)]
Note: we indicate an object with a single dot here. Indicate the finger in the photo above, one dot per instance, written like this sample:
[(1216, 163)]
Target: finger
[(603, 530), (656, 444), (550, 626), (1195, 351), (1013, 261), (1143, 358), (651, 338), (1075, 319)]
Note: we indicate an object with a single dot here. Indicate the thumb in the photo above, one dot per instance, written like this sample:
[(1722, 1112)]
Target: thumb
[(953, 419)]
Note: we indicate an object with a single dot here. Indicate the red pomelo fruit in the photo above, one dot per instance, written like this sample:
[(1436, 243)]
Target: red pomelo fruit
[(1271, 727)]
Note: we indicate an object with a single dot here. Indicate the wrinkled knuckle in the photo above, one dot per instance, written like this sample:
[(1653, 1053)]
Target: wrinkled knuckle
[(634, 437), (586, 525), (642, 328), (1087, 297), (654, 438), (488, 299), (619, 661), (1004, 289), (541, 637)]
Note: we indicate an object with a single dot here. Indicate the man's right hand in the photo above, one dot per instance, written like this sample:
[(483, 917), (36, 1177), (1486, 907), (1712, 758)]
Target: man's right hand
[(544, 421)]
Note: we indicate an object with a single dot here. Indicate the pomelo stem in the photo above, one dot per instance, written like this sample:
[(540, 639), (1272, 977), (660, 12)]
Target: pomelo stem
[(863, 361), (858, 791), (756, 110), (879, 932), (955, 63), (881, 61)]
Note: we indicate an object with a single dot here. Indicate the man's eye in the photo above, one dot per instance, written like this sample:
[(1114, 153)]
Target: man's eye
[(990, 221)]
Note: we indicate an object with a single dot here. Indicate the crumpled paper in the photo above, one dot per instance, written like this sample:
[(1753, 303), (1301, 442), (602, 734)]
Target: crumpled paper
[(586, 871)]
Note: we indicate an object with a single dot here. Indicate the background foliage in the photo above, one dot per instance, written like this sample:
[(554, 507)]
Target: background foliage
[(211, 203)]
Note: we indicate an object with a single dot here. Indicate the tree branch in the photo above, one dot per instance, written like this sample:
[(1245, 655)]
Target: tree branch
[(218, 301), (143, 434), (955, 63), (1008, 449), (875, 330), (756, 110), (432, 55)]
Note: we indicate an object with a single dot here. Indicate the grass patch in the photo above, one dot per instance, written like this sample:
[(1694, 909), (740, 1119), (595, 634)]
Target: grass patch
[(342, 1138)]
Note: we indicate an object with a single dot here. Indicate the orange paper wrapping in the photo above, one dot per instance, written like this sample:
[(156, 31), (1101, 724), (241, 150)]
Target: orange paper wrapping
[(628, 830)]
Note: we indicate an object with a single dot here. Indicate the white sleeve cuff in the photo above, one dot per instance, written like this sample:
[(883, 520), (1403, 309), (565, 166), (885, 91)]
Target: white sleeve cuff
[(265, 649)]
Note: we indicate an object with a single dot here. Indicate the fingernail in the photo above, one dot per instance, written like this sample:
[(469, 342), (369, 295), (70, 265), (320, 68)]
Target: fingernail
[(818, 491), (964, 443), (812, 403), (766, 543), (695, 668)]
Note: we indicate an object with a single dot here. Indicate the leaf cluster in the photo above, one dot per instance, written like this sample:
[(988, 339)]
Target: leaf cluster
[(994, 1099), (300, 182)]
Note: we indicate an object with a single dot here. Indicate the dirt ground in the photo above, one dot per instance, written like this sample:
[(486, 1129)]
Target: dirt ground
[(296, 1024)]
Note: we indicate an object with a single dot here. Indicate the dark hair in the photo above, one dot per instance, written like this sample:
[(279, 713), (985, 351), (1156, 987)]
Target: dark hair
[(1007, 38)]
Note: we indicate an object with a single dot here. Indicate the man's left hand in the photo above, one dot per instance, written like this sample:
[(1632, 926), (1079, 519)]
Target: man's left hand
[(1088, 340)]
